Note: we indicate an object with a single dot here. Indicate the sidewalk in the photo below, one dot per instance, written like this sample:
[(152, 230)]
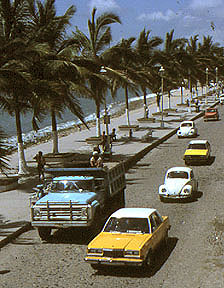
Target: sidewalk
[(15, 212)]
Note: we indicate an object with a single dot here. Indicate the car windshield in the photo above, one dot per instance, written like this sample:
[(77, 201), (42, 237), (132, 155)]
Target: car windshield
[(198, 146), (186, 125), (127, 225), (178, 174), (71, 186)]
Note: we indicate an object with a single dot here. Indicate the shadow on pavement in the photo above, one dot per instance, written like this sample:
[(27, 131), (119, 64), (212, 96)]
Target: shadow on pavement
[(162, 255), (4, 272)]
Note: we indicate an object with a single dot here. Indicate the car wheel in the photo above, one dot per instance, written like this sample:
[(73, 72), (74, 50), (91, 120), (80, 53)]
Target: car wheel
[(95, 266), (44, 233), (149, 260), (162, 199), (166, 240)]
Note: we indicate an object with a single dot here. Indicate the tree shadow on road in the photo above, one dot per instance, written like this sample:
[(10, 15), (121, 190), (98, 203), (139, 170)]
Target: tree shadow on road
[(162, 255)]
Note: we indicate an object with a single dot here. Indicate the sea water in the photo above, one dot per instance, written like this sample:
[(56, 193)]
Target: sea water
[(68, 120)]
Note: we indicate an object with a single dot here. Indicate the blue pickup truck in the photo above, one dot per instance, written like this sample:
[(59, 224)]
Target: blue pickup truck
[(77, 197)]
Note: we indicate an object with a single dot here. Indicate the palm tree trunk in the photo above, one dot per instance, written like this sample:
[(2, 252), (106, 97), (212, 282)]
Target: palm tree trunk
[(23, 169), (169, 95), (145, 104), (98, 126), (127, 105), (158, 98), (181, 94), (54, 132)]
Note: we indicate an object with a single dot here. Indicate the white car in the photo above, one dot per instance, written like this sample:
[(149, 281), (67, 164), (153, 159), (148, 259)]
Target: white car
[(221, 99), (179, 183), (187, 129)]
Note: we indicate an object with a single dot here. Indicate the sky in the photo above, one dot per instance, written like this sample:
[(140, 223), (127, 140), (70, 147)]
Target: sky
[(186, 17)]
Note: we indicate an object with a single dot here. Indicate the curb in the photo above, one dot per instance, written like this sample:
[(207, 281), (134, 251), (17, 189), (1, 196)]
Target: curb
[(26, 227)]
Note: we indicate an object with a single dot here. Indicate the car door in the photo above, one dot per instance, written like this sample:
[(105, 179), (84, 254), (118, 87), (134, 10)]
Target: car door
[(157, 229)]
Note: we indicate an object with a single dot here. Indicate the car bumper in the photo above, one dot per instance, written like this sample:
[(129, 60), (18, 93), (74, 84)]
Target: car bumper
[(211, 118), (113, 261), (196, 160), (58, 225), (168, 196)]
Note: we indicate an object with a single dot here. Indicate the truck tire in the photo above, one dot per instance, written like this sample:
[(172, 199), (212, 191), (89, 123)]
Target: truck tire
[(44, 232)]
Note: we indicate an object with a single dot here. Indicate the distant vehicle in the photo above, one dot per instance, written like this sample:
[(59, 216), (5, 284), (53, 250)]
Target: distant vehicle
[(129, 237), (179, 183), (187, 129), (211, 114), (221, 99), (81, 197), (198, 151)]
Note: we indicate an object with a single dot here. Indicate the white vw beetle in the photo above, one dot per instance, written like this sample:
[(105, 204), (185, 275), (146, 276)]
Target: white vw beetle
[(179, 184), (187, 129)]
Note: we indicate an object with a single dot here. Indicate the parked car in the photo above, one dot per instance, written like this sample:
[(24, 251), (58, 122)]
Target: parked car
[(187, 129), (198, 151), (211, 114), (221, 99), (129, 237), (179, 183)]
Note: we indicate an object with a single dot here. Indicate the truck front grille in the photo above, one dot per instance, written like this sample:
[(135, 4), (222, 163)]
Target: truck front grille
[(61, 212)]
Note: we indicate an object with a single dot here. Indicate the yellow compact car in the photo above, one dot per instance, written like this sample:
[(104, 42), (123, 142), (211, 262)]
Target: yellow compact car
[(129, 237), (198, 151)]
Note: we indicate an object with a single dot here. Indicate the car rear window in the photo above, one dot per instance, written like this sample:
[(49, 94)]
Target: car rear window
[(186, 125), (197, 146), (178, 174)]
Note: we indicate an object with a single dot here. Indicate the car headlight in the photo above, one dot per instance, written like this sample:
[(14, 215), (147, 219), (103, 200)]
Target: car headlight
[(84, 212), (131, 253), (36, 212), (192, 131), (94, 251), (186, 191)]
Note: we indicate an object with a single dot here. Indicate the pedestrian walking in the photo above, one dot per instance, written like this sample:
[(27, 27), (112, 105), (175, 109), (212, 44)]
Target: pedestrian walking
[(40, 164)]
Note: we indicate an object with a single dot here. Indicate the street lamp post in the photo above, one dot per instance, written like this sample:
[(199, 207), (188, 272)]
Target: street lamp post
[(217, 81), (161, 73), (206, 97), (190, 84)]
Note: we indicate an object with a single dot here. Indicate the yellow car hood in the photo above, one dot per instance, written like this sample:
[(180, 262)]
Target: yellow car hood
[(202, 152), (119, 241)]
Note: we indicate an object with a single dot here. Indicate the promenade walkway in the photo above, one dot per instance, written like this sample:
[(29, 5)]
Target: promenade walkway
[(14, 204)]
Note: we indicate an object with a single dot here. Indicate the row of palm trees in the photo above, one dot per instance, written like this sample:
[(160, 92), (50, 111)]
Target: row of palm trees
[(45, 70)]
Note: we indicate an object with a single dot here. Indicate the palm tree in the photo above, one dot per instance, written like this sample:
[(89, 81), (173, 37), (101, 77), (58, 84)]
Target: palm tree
[(145, 48), (14, 64), (91, 47), (170, 58), (56, 78)]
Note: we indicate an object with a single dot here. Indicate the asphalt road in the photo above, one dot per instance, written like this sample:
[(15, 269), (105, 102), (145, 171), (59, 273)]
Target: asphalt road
[(195, 254)]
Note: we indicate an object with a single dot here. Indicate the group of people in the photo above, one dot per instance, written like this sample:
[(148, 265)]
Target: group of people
[(95, 161)]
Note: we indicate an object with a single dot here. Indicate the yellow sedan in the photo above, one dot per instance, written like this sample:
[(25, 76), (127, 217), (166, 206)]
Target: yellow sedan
[(129, 237)]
